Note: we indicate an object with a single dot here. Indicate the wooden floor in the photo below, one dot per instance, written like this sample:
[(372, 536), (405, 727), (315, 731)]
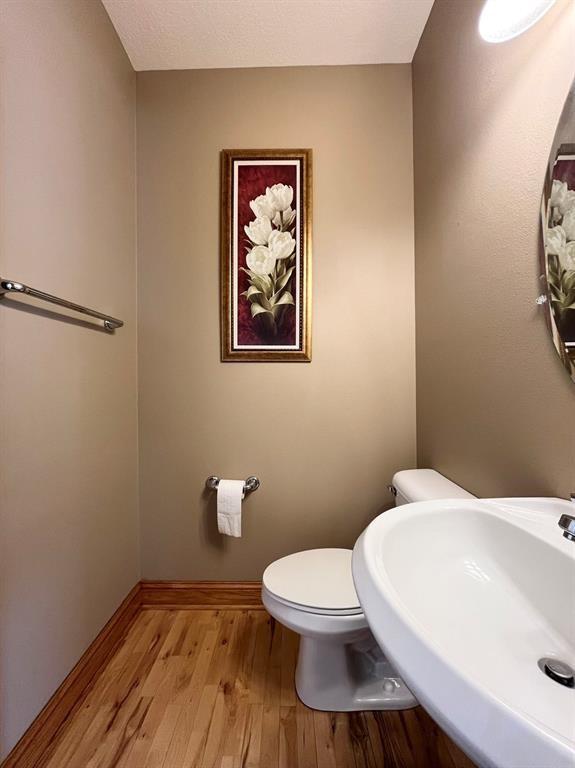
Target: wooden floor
[(215, 689)]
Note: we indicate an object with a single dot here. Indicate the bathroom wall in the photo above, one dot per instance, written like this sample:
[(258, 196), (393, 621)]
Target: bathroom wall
[(495, 407), (324, 437), (68, 420)]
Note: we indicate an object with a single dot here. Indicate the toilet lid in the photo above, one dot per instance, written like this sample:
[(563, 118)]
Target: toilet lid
[(315, 579)]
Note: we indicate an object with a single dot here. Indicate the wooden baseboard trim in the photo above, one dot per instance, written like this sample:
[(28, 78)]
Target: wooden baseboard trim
[(201, 594), (34, 748)]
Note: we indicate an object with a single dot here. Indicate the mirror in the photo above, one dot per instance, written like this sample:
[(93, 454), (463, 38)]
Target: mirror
[(558, 230)]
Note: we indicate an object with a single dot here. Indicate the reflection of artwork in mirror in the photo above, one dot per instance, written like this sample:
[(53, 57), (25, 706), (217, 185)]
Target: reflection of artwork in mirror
[(559, 211), (558, 224)]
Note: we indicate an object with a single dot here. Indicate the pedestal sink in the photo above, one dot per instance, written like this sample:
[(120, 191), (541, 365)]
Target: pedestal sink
[(466, 598)]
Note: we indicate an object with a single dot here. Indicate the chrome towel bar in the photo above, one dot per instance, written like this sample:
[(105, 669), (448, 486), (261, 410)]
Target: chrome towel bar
[(11, 286), (251, 484)]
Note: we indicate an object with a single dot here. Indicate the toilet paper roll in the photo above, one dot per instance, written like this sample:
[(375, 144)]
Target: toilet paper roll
[(230, 495)]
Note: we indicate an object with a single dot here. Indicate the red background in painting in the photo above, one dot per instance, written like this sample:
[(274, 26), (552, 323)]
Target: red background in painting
[(252, 182)]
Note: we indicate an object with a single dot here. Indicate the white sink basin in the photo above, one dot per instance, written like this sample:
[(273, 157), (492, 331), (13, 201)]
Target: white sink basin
[(465, 597)]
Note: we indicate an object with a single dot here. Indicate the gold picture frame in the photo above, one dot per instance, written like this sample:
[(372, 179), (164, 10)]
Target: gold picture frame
[(266, 255)]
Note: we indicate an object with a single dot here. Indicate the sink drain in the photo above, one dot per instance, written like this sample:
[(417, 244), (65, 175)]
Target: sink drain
[(558, 670)]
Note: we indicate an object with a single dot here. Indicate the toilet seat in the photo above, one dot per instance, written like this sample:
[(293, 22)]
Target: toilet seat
[(317, 581), (316, 611)]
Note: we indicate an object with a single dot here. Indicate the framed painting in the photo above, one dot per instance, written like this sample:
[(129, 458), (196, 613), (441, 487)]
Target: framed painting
[(266, 255)]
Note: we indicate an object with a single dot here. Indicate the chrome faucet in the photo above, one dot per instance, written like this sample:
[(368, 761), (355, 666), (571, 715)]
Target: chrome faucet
[(567, 523)]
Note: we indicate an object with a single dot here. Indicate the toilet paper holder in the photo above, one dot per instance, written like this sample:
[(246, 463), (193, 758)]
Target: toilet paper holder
[(252, 483)]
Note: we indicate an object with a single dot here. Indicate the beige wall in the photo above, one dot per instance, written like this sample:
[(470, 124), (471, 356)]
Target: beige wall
[(324, 437), (495, 407), (68, 445)]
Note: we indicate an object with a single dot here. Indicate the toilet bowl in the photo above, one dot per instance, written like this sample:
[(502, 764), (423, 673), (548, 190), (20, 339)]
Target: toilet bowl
[(340, 667)]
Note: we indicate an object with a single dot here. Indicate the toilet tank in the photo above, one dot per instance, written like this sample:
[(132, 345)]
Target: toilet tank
[(424, 485)]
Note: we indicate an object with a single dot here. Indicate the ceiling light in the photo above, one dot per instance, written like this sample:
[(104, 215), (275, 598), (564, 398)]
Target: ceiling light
[(502, 20)]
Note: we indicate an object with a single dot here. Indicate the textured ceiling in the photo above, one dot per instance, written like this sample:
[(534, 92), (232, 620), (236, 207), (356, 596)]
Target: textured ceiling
[(191, 34)]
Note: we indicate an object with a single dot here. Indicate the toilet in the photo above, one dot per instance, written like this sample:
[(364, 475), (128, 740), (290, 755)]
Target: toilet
[(340, 667)]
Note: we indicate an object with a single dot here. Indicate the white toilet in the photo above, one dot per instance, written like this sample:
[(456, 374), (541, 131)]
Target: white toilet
[(340, 667)]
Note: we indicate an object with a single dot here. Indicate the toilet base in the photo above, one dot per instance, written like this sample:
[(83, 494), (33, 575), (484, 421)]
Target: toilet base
[(336, 677)]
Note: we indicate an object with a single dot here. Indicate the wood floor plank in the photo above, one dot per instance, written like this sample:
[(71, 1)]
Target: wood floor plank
[(324, 740), (172, 645), (306, 750), (120, 757), (143, 742), (115, 681), (86, 722), (366, 744), (235, 688), (226, 628), (121, 733), (167, 679), (288, 661), (114, 684), (272, 694), (258, 673), (176, 753), (228, 700), (199, 734), (215, 732), (194, 634), (166, 665), (343, 747), (153, 635), (85, 744), (235, 730), (120, 660), (247, 650), (423, 736), (251, 748), (163, 736), (215, 689), (270, 742), (395, 741), (195, 671), (288, 757)]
